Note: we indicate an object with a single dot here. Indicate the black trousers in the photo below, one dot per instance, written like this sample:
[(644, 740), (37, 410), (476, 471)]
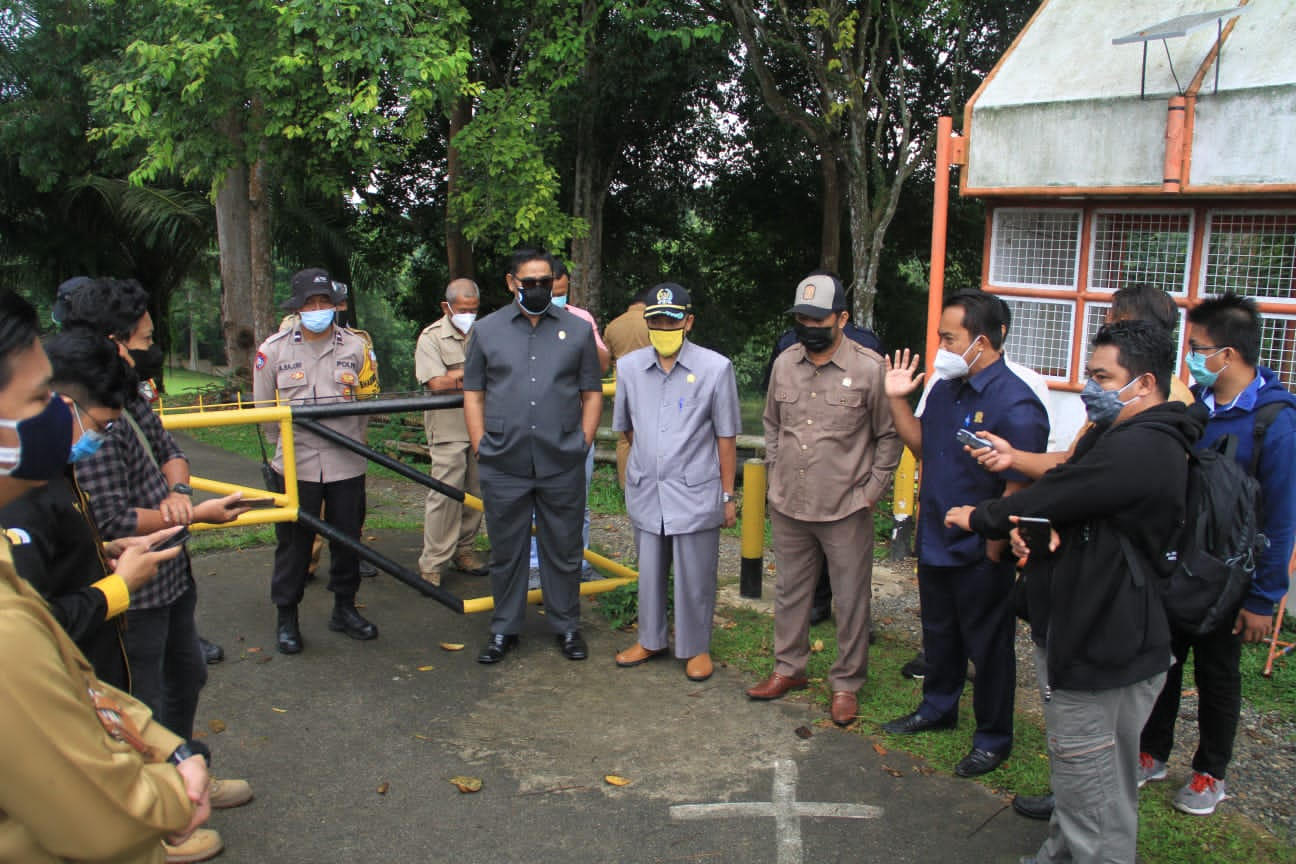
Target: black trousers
[(1219, 700), (168, 669), (343, 503)]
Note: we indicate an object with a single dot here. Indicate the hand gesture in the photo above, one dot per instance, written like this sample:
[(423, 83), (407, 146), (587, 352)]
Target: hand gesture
[(137, 565), (960, 517), (902, 376), (999, 457), (177, 509)]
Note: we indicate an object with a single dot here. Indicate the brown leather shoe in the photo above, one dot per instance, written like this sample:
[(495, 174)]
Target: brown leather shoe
[(470, 562), (845, 707), (776, 686), (432, 577), (699, 667), (637, 654)]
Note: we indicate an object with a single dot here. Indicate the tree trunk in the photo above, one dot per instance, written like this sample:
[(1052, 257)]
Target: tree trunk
[(234, 241), (588, 201), (831, 202), (459, 256), (260, 248)]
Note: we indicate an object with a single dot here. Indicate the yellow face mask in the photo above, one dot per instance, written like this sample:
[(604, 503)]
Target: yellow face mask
[(667, 343)]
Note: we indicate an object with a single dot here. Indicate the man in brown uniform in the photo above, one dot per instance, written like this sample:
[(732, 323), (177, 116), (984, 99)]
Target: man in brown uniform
[(88, 774), (316, 362), (831, 448), (625, 333), (449, 527)]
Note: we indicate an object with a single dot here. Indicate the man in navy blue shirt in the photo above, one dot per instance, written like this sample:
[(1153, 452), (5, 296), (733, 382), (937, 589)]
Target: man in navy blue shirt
[(1223, 357), (965, 582)]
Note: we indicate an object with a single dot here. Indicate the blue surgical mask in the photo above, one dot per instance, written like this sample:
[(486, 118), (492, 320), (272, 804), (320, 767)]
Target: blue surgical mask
[(1103, 406), (44, 442), (87, 445), (318, 320), (1197, 368), (560, 302)]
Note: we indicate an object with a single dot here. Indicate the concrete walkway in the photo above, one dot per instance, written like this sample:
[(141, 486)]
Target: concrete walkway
[(350, 746)]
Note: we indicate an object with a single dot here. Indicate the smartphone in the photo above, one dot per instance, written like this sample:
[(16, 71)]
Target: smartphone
[(171, 542), (254, 503), (1037, 532), (968, 439)]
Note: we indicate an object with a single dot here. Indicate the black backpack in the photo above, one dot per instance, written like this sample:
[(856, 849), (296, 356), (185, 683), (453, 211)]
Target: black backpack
[(1210, 568)]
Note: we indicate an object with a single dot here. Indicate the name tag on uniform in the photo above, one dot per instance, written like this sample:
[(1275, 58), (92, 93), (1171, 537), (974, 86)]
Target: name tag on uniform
[(562, 334), (846, 382)]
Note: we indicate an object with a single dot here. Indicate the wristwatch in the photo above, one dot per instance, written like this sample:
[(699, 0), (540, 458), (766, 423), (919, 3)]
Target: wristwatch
[(181, 753), (182, 489), (726, 497)]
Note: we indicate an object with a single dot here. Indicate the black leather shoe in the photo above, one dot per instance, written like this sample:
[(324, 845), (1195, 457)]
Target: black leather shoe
[(347, 619), (978, 762), (289, 635), (915, 668), (820, 614), (915, 722), (499, 645), (211, 652), (573, 645), (1034, 806)]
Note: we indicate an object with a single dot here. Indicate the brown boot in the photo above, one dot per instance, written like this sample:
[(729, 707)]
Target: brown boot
[(637, 654), (229, 793), (203, 843), (699, 667)]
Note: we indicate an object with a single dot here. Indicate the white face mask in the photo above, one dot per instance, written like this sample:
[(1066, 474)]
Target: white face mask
[(463, 321), (950, 365)]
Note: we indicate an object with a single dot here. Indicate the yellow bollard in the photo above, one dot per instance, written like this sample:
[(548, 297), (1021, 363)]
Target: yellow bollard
[(753, 529), (902, 506)]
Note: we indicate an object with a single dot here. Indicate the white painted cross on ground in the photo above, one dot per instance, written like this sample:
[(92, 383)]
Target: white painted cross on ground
[(784, 807)]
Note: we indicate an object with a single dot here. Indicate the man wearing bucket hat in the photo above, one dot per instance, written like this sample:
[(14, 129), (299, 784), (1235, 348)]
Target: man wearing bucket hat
[(831, 447), (315, 361), (677, 403)]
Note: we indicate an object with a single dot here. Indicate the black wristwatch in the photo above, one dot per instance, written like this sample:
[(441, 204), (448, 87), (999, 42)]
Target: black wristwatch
[(182, 489), (181, 753)]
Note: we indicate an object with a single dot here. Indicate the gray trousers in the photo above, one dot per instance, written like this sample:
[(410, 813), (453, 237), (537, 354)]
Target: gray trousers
[(696, 557), (1093, 741), (800, 549), (449, 527), (559, 506)]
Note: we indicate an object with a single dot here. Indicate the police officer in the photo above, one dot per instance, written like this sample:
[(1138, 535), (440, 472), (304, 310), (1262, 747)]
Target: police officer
[(316, 361)]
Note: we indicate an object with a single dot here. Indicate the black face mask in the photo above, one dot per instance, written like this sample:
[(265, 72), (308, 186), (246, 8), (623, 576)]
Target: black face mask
[(534, 300), (148, 364), (815, 339)]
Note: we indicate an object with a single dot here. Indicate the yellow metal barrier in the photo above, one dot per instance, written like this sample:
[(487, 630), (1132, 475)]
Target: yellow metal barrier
[(753, 528)]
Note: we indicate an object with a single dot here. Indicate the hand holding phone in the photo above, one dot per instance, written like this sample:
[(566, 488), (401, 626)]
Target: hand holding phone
[(967, 439), (251, 503), (1037, 533), (176, 539)]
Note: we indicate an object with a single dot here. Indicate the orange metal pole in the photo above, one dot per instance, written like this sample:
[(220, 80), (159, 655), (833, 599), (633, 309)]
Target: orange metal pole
[(1171, 179), (940, 218)]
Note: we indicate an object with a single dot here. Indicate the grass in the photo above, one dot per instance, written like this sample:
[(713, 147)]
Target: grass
[(179, 381)]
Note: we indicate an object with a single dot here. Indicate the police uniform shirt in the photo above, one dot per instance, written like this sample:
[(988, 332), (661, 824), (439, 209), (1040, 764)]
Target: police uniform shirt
[(994, 400), (440, 348), (302, 372), (533, 378), (673, 481)]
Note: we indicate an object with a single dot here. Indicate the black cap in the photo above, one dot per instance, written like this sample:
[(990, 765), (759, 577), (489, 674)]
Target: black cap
[(818, 296), (668, 299), (314, 282), (65, 292)]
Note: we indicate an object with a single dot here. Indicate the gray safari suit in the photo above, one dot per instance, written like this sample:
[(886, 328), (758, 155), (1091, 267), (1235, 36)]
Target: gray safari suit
[(673, 489), (531, 457)]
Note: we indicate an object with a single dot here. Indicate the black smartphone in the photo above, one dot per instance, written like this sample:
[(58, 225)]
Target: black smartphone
[(1037, 532), (254, 503), (967, 439), (171, 542)]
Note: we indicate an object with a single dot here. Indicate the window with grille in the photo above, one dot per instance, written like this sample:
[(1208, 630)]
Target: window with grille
[(1278, 347), (1251, 253), (1096, 315), (1040, 336), (1142, 246), (1035, 248)]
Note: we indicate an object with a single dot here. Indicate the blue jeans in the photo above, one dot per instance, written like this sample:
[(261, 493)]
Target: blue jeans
[(167, 666)]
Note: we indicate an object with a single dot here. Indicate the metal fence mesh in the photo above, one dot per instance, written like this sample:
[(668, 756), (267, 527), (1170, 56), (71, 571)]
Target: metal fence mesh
[(1035, 248), (1278, 347), (1252, 254), (1132, 247), (1041, 334), (1096, 314)]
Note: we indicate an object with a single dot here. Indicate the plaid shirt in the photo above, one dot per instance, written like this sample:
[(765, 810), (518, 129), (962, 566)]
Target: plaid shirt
[(121, 477)]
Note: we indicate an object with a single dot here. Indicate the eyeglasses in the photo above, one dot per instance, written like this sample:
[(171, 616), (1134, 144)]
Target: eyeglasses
[(538, 282), (1205, 350), (102, 428)]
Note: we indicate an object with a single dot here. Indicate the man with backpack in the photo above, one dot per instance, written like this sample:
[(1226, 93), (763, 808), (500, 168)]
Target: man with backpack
[(1096, 615), (1246, 401)]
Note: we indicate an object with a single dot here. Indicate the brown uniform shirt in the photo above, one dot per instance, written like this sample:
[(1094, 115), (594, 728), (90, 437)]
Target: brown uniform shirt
[(322, 372), (627, 332), (830, 442), (440, 348)]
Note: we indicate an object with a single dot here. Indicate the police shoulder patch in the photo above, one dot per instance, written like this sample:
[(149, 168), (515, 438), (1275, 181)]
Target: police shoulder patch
[(260, 360)]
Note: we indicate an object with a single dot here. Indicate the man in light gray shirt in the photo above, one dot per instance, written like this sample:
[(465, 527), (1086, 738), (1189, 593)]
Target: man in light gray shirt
[(677, 404)]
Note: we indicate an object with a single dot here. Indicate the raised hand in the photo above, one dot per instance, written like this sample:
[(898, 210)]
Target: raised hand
[(902, 376)]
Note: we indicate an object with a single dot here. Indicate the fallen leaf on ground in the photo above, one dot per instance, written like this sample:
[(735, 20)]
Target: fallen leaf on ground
[(894, 772), (879, 749), (253, 650), (422, 737), (803, 732), (452, 646), (266, 659), (467, 784), (382, 788), (614, 780), (216, 726), (816, 646), (280, 710), (426, 668)]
